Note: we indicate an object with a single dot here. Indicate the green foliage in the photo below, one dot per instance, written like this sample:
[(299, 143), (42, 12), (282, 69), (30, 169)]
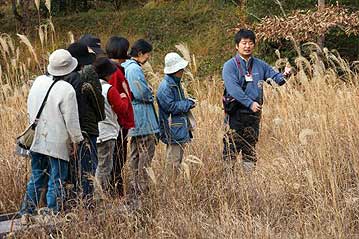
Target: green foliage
[(346, 46), (262, 8), (201, 25), (68, 6)]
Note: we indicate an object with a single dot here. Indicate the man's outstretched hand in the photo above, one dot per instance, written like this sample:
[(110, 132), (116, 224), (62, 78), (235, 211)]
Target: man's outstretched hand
[(287, 71)]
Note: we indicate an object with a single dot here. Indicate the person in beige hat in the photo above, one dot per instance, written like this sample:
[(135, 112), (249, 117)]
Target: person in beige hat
[(61, 63), (174, 108), (57, 125)]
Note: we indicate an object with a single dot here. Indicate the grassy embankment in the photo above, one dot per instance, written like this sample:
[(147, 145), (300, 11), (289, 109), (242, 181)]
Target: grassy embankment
[(201, 25), (305, 185)]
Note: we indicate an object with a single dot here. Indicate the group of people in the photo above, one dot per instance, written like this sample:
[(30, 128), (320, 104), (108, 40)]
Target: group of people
[(96, 99)]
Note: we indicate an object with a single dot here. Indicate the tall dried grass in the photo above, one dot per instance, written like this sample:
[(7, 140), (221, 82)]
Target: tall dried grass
[(305, 184)]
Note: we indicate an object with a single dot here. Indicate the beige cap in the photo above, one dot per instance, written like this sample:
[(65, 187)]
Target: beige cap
[(174, 63), (61, 63)]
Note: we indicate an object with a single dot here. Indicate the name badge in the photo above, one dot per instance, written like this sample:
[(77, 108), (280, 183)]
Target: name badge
[(248, 78)]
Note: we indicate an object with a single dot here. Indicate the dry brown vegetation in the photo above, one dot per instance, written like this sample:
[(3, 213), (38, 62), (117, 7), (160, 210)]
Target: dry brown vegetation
[(307, 26), (305, 185)]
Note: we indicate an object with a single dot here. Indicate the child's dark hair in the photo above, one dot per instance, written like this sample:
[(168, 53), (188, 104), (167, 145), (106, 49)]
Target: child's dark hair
[(140, 46), (244, 34), (117, 48)]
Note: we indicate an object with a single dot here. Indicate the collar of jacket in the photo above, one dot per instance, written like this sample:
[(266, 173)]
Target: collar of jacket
[(138, 63), (173, 80), (129, 62), (242, 60)]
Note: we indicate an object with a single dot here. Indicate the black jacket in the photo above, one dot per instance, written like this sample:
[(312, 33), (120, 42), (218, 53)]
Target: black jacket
[(89, 98)]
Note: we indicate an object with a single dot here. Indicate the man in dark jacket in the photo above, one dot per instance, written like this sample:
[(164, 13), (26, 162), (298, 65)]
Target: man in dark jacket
[(243, 77), (91, 111)]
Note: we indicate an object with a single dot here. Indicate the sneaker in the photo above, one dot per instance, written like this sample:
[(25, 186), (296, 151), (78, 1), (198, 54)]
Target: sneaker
[(26, 219), (49, 219), (46, 216)]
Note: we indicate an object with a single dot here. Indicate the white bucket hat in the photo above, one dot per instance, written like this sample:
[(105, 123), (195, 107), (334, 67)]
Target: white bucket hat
[(174, 63), (61, 63)]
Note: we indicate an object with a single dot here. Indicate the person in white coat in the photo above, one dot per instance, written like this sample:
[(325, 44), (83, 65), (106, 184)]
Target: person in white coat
[(57, 133)]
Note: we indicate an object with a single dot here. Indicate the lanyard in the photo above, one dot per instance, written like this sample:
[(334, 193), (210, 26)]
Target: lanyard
[(249, 71)]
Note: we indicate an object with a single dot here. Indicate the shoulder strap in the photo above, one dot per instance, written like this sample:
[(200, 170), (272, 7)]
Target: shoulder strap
[(43, 103), (249, 70), (241, 74)]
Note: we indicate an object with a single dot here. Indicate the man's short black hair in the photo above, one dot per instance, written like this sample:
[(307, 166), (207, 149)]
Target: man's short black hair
[(244, 34), (117, 47), (140, 46)]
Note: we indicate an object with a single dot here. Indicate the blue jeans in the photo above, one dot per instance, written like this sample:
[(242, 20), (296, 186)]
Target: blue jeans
[(87, 154), (45, 171)]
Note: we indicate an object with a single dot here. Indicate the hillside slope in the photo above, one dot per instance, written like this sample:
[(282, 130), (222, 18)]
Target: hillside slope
[(202, 25)]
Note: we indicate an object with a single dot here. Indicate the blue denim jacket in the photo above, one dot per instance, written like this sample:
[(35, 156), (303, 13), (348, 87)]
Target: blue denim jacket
[(146, 121), (173, 109), (234, 79)]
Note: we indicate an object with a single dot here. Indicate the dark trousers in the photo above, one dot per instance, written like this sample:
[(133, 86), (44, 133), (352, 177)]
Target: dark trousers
[(242, 136), (82, 170), (119, 160)]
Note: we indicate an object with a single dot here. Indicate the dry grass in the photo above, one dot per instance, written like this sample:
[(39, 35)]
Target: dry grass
[(306, 26), (305, 185)]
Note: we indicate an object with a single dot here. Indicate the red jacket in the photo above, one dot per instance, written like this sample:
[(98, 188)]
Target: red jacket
[(119, 104), (119, 81)]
